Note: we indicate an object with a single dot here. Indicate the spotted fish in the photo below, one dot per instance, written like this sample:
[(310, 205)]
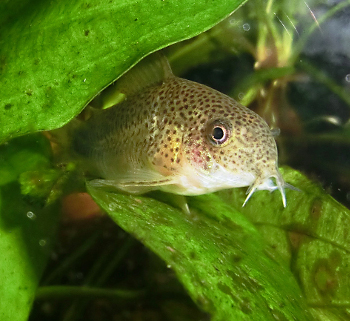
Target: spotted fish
[(178, 136)]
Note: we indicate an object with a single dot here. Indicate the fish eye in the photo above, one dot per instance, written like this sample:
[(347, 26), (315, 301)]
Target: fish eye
[(219, 132)]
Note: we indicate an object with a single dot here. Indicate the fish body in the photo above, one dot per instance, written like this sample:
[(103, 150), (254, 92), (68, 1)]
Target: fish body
[(178, 136)]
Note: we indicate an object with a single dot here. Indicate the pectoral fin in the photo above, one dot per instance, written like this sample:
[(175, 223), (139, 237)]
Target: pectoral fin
[(134, 186), (141, 187)]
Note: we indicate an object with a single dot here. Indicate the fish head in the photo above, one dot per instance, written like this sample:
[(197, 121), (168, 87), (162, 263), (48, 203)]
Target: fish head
[(223, 144)]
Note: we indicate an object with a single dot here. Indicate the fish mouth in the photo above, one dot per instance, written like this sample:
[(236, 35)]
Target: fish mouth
[(266, 183)]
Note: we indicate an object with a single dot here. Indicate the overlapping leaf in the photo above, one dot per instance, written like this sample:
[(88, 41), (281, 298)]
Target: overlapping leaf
[(56, 56)]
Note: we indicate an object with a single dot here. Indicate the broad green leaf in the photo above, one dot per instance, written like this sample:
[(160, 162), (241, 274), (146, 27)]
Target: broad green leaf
[(55, 56), (217, 254), (26, 228), (312, 234)]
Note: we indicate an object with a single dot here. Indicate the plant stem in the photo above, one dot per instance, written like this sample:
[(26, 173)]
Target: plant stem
[(66, 292), (72, 258)]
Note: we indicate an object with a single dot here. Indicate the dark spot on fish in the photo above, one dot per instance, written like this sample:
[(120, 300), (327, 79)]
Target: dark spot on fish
[(86, 32), (8, 106)]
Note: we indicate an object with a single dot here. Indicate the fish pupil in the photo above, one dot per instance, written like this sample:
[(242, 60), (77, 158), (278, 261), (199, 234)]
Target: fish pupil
[(218, 133)]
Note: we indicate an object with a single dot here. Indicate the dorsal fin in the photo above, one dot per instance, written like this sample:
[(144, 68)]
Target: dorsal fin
[(152, 70)]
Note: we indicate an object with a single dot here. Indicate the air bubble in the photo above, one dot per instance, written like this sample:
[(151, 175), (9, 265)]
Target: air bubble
[(347, 77), (42, 242), (246, 27), (31, 215), (232, 21), (240, 96)]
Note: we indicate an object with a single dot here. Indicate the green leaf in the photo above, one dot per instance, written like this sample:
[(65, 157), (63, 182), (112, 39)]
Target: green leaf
[(217, 254), (26, 229), (312, 234), (25, 154), (55, 56)]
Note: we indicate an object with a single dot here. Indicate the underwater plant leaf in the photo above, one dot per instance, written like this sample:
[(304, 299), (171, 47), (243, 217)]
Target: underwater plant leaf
[(312, 234), (26, 229), (25, 154), (216, 252), (55, 56)]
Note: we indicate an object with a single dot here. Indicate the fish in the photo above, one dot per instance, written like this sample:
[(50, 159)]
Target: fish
[(177, 136)]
